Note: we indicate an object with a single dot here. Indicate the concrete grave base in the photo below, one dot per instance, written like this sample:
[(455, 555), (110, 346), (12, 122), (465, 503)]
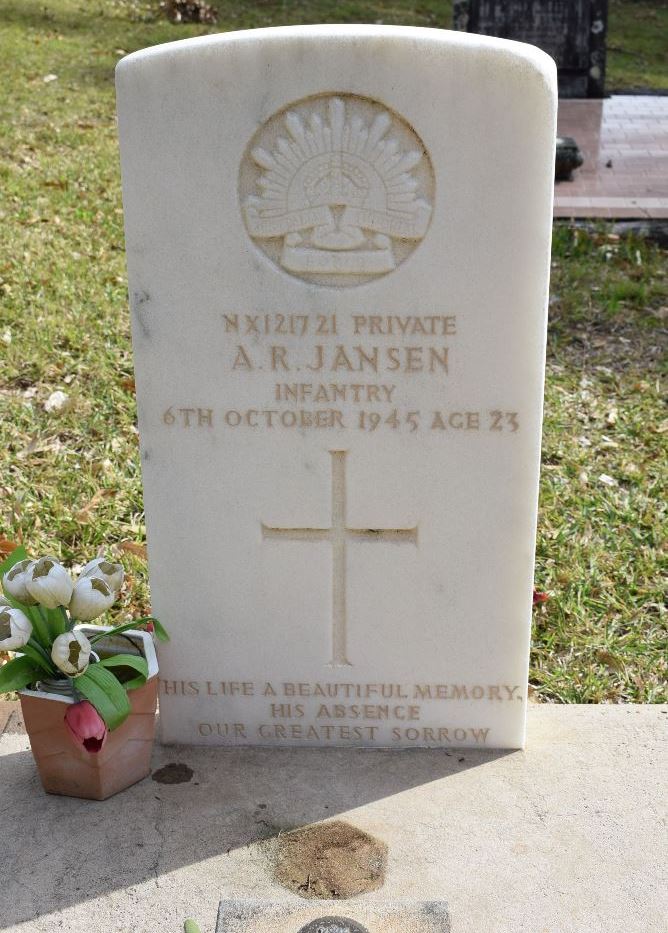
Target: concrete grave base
[(357, 915), (565, 837)]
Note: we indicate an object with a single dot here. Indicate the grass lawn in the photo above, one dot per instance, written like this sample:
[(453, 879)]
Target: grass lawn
[(70, 481)]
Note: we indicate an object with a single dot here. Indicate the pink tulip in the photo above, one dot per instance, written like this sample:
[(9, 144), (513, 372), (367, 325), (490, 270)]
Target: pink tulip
[(86, 726)]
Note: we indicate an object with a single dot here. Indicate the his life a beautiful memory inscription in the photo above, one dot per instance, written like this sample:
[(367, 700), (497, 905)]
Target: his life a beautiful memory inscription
[(338, 251)]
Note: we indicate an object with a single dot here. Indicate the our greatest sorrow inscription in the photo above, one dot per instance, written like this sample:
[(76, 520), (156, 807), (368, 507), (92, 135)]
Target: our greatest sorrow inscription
[(338, 326)]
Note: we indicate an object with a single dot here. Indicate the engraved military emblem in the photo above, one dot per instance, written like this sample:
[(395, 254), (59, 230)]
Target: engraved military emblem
[(337, 189), (333, 925)]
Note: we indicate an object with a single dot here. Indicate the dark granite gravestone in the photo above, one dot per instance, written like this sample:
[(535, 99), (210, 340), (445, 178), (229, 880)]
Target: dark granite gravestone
[(571, 31)]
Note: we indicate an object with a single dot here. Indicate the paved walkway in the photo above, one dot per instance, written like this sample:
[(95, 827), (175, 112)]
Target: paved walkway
[(624, 141), (566, 837)]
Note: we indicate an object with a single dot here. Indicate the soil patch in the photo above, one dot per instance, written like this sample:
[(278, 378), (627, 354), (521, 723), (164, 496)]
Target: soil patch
[(330, 860), (174, 773)]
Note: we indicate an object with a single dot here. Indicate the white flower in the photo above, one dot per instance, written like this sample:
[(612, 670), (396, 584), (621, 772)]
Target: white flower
[(70, 653), (15, 629), (49, 583), (91, 597), (14, 582), (112, 574)]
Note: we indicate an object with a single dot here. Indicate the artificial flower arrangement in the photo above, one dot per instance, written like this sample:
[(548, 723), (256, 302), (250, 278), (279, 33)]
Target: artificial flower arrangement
[(38, 614)]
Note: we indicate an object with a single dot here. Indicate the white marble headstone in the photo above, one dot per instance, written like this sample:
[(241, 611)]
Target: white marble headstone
[(338, 247)]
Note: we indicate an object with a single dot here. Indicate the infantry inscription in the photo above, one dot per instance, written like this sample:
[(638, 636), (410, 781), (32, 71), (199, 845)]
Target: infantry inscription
[(338, 318)]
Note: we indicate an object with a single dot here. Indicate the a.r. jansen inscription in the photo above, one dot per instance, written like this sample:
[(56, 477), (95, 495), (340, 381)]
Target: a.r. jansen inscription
[(333, 372)]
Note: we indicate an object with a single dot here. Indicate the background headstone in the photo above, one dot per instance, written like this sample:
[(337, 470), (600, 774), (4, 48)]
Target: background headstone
[(571, 31), (338, 246)]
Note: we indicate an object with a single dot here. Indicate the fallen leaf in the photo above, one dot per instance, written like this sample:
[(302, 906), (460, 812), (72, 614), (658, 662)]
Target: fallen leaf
[(85, 514), (128, 384), (47, 79), (40, 445), (609, 659), (7, 547), (131, 547)]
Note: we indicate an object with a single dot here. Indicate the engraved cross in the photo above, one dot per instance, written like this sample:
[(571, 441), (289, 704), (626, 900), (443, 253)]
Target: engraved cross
[(338, 535)]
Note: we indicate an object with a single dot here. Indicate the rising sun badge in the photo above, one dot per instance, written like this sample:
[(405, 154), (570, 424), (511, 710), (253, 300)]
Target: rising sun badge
[(337, 189)]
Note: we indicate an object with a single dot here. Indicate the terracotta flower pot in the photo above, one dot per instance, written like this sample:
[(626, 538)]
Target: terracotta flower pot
[(64, 767)]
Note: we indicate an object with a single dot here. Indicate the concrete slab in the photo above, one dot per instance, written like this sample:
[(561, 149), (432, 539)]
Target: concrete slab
[(7, 707), (566, 837)]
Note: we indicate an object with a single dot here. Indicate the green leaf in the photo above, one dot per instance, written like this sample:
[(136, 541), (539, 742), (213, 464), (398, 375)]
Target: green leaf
[(38, 658), (57, 620), (17, 554), (128, 626), (190, 927), (107, 695), (40, 627), (129, 660), (160, 631), (18, 673)]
